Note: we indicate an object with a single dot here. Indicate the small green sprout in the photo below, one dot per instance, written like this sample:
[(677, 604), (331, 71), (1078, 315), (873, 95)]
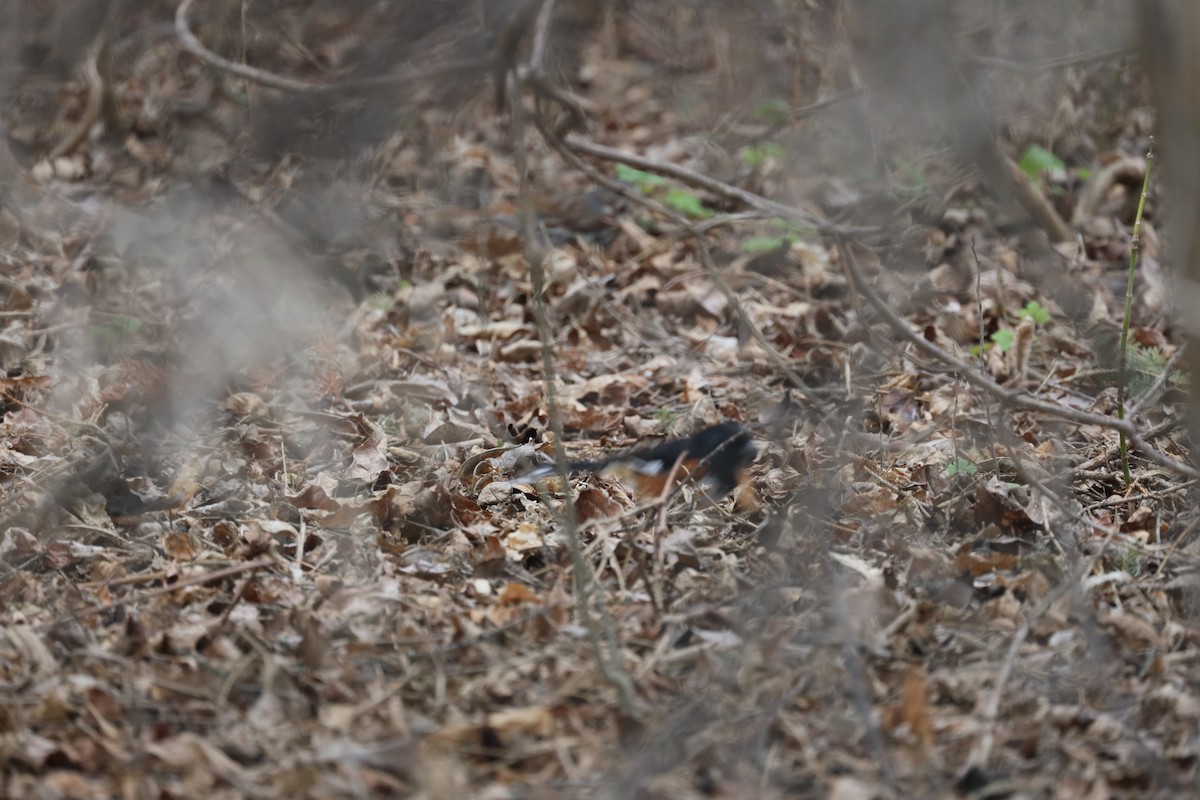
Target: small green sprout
[(961, 467), (912, 176), (756, 155), (115, 329), (773, 111), (766, 244), (1037, 160), (687, 203), (1034, 312), (645, 181), (1003, 339)]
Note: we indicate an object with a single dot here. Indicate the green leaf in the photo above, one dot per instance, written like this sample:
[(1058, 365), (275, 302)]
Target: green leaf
[(773, 111), (1003, 339), (643, 180), (912, 176), (1033, 311), (126, 324), (765, 244), (758, 154), (961, 466), (1037, 160), (687, 203), (1145, 364), (1131, 561), (1150, 359), (380, 301), (796, 231), (114, 329)]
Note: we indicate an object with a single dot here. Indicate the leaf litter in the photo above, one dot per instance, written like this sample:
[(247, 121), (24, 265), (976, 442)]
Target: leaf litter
[(266, 421)]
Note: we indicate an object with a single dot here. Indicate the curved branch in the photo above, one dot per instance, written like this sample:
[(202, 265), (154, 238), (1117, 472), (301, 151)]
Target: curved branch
[(262, 77), (269, 79), (1005, 396), (95, 101)]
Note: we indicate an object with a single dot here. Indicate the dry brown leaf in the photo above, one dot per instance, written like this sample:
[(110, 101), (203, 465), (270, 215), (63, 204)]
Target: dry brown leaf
[(596, 502), (914, 703), (369, 456), (849, 788)]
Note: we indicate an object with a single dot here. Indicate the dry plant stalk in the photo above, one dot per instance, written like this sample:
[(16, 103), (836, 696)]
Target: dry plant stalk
[(601, 633), (1169, 31)]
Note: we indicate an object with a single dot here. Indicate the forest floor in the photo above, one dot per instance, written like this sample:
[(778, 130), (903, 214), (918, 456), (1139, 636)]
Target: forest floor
[(272, 392)]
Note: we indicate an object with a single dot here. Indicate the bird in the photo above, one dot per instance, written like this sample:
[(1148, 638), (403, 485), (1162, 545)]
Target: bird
[(564, 216), (717, 457)]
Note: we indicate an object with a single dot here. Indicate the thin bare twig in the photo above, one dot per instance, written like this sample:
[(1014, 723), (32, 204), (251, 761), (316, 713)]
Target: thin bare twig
[(781, 362), (860, 692), (605, 647), (1139, 498), (1152, 391), (191, 580), (1111, 450), (709, 184), (1052, 63), (193, 45), (261, 77), (658, 593), (95, 100), (541, 29), (1123, 347), (991, 711), (982, 751)]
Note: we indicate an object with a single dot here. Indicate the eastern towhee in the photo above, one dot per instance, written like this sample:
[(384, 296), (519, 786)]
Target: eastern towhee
[(717, 457)]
